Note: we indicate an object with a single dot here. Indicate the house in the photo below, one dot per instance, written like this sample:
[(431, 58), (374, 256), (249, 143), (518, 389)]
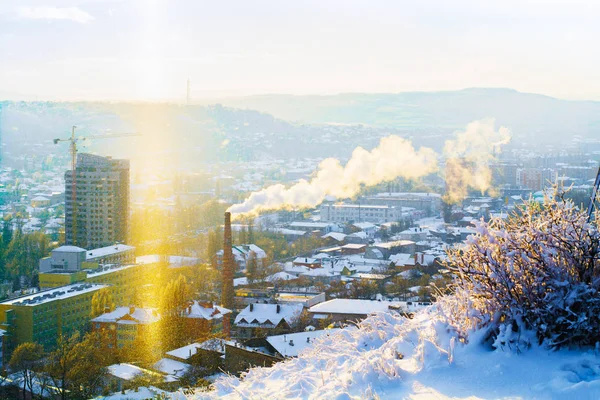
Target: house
[(309, 226), (202, 318), (324, 275), (353, 248), (274, 317), (120, 375), (290, 235), (127, 326), (239, 358), (291, 344), (242, 253), (415, 234), (365, 227), (334, 238), (116, 254), (344, 310), (307, 262), (398, 246), (170, 367), (358, 238)]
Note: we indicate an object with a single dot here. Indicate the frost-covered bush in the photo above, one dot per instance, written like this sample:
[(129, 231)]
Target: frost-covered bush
[(537, 271)]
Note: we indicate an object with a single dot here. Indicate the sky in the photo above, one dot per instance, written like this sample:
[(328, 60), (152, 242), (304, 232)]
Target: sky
[(147, 49)]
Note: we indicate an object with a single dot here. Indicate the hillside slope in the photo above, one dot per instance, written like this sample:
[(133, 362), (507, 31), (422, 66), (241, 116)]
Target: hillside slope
[(528, 114), (390, 357)]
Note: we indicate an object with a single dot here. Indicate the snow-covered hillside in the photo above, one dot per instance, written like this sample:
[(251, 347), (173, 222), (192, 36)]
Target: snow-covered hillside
[(390, 357)]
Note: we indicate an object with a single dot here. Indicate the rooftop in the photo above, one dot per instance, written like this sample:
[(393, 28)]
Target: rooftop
[(59, 293), (269, 314), (69, 249), (108, 250), (127, 316), (185, 352), (291, 344), (351, 306)]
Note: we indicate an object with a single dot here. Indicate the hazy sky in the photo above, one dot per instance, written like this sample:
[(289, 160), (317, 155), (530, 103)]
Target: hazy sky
[(147, 49)]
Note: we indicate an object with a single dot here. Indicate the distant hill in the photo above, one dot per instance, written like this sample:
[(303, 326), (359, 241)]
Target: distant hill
[(525, 113)]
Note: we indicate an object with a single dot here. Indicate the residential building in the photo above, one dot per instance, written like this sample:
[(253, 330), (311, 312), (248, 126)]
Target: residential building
[(344, 310), (115, 254), (428, 203), (127, 327), (100, 215), (44, 316), (355, 213), (243, 253), (291, 344), (203, 318), (273, 317)]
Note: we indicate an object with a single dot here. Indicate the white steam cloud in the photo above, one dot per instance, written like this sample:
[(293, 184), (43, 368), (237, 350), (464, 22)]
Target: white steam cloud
[(468, 158), (394, 157)]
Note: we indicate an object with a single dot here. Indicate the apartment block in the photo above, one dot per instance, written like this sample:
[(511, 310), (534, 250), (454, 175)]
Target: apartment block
[(98, 216)]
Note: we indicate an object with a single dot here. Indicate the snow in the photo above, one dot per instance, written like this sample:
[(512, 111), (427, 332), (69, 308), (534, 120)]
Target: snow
[(125, 371), (291, 344), (144, 393), (138, 315), (185, 352), (335, 235), (243, 281), (108, 250), (266, 314), (196, 310), (390, 357), (352, 306), (171, 367), (59, 293), (280, 276), (69, 249)]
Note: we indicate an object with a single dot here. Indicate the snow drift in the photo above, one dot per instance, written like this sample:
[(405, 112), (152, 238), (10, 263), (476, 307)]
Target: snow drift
[(391, 357)]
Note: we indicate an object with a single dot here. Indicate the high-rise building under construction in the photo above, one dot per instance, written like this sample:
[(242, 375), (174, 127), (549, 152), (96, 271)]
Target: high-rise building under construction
[(99, 216)]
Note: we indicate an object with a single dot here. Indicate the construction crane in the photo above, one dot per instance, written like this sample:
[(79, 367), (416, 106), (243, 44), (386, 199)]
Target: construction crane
[(73, 150), (594, 196)]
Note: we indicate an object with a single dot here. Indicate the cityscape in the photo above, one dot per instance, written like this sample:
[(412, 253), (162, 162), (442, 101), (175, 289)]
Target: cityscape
[(172, 236)]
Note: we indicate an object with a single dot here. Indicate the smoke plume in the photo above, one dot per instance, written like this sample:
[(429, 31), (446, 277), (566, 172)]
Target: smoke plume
[(394, 157), (467, 157)]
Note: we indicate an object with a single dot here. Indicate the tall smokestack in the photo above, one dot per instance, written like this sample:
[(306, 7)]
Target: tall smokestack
[(227, 271)]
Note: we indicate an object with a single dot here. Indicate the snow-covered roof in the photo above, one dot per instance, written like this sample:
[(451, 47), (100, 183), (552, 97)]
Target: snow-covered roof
[(107, 251), (351, 306), (243, 281), (267, 314), (307, 224), (125, 315), (69, 249), (290, 345), (59, 293), (125, 371), (40, 198), (214, 344), (397, 243), (360, 235), (306, 260), (184, 352), (364, 225), (320, 272), (197, 310), (335, 236), (171, 367), (280, 276), (144, 393), (401, 259)]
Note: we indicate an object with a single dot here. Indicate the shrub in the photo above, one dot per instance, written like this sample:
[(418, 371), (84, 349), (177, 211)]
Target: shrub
[(537, 271)]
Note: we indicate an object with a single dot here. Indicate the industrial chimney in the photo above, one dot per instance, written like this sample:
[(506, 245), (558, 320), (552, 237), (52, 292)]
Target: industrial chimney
[(227, 273)]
